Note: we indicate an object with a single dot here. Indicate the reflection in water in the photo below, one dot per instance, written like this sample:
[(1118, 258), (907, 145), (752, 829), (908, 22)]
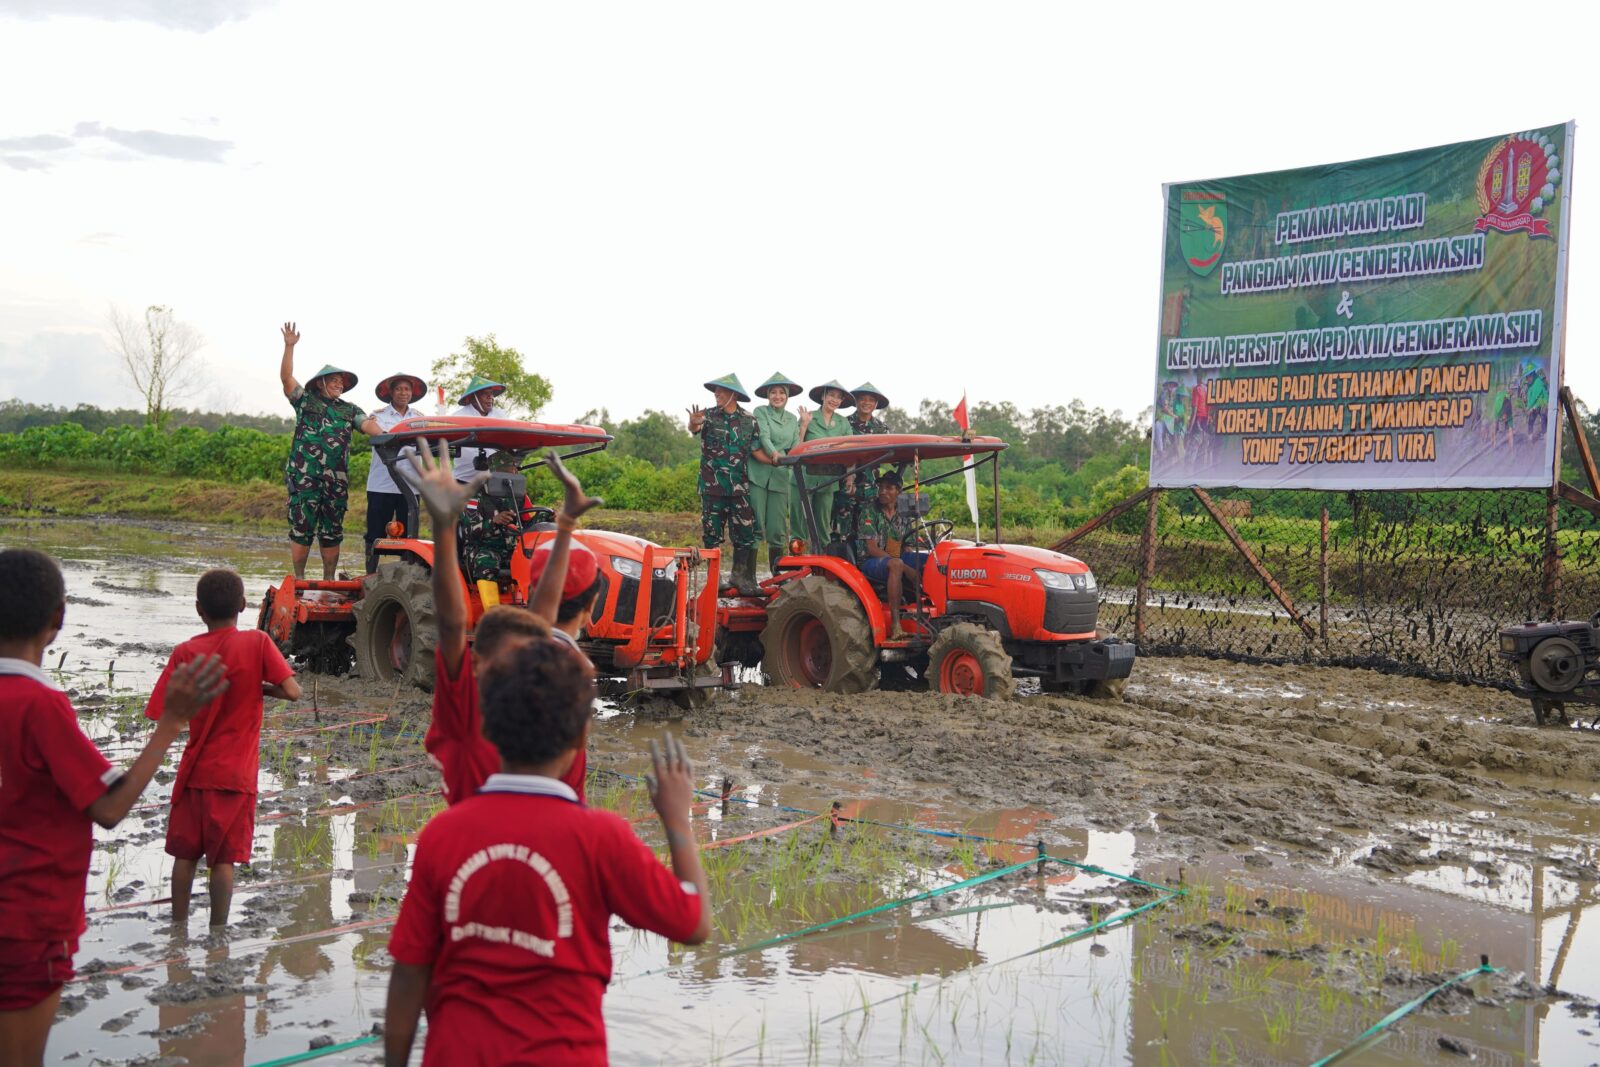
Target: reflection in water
[(204, 1033)]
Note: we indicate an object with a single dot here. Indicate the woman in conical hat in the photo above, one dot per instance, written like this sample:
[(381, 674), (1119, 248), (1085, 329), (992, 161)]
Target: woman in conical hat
[(477, 400), (777, 430), (826, 422)]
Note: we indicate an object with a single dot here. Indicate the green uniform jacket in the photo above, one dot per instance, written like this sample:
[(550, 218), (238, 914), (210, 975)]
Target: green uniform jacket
[(726, 441), (322, 433), (840, 428), (777, 431)]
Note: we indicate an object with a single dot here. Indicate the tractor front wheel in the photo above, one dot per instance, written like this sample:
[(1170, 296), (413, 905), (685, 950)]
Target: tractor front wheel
[(395, 627), (817, 637), (968, 660)]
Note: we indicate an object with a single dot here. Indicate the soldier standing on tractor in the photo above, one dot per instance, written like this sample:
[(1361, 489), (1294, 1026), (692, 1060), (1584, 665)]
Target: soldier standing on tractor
[(727, 438), (478, 401), (826, 423), (385, 503), (868, 400), (777, 430), (880, 548), (318, 472)]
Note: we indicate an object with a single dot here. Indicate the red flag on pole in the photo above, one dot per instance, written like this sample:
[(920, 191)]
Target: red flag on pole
[(965, 423)]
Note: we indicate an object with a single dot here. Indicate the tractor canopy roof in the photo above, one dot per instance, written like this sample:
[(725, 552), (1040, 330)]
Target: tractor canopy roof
[(868, 450), (509, 434)]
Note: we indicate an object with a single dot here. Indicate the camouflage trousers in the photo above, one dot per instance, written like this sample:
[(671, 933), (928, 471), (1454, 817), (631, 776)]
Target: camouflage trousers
[(733, 512), (488, 556), (317, 507)]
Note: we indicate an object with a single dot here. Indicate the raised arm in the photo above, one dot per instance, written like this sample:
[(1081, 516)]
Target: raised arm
[(546, 598), (445, 498), (291, 337), (671, 787), (190, 687)]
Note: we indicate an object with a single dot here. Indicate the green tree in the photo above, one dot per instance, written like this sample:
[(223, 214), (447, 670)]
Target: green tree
[(526, 392)]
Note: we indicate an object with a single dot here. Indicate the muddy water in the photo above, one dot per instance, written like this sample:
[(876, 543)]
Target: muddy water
[(1343, 835)]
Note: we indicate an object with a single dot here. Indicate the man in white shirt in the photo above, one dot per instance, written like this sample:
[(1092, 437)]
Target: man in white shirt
[(385, 503), (478, 401)]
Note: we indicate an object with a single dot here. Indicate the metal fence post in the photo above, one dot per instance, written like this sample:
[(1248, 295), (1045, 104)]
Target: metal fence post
[(1322, 583), (1147, 564), (1549, 588)]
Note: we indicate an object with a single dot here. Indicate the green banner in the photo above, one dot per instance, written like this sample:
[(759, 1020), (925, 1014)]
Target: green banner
[(1389, 323)]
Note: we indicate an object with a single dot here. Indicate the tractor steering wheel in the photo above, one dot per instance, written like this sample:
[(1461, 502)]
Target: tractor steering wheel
[(937, 530), (537, 515)]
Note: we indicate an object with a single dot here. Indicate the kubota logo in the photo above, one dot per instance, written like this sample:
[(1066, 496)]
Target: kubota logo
[(968, 574)]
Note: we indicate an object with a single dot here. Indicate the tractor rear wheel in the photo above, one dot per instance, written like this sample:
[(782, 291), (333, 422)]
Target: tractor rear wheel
[(817, 637), (969, 660), (395, 627)]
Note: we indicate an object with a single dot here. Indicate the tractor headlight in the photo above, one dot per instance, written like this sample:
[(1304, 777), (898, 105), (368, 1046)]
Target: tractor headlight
[(628, 568), (1088, 582), (1054, 579), (1508, 643)]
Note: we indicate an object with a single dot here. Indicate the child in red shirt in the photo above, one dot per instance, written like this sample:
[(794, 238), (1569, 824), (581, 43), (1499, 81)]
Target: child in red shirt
[(504, 931), (455, 738), (214, 796), (53, 784)]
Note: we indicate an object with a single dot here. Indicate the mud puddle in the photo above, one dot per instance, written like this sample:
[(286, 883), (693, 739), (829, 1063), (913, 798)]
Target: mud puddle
[(1346, 840)]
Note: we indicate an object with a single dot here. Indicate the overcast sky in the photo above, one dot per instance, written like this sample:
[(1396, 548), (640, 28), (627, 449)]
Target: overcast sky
[(641, 196)]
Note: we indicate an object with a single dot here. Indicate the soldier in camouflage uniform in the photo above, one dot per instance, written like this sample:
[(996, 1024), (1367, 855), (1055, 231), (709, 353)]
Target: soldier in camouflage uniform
[(317, 475), (881, 549), (864, 497), (491, 526), (728, 435)]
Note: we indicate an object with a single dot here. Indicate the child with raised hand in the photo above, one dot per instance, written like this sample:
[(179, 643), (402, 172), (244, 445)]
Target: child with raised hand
[(54, 784), (214, 795), (455, 738), (503, 935)]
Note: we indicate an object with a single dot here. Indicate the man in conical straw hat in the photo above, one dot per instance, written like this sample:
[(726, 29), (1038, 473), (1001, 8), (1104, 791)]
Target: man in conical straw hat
[(477, 400), (727, 438), (385, 504), (827, 422), (868, 399), (318, 473), (777, 431)]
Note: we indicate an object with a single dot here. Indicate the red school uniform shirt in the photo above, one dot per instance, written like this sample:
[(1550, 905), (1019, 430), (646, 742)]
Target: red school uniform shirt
[(510, 903), (49, 775), (225, 737), (455, 740)]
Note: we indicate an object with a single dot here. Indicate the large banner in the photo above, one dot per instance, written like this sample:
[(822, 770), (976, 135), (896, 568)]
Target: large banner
[(1388, 323)]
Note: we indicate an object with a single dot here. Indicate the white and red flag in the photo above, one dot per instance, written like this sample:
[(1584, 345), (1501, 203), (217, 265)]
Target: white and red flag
[(972, 475)]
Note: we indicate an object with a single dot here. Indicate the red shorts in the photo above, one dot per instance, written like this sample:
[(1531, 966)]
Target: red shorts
[(32, 970), (218, 824)]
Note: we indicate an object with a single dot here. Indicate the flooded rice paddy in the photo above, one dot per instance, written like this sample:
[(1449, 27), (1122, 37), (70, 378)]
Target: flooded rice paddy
[(1343, 842)]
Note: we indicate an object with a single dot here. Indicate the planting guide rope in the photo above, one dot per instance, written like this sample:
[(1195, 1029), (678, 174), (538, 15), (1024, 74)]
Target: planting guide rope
[(1406, 1009)]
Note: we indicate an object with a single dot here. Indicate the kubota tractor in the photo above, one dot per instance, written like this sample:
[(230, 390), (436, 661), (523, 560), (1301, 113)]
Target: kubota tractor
[(652, 629), (987, 614)]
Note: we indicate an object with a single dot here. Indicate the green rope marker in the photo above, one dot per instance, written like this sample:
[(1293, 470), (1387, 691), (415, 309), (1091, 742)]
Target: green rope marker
[(318, 1053), (1406, 1009)]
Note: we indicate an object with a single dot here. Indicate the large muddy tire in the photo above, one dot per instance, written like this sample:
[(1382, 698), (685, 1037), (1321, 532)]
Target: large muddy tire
[(395, 627), (817, 637), (969, 660)]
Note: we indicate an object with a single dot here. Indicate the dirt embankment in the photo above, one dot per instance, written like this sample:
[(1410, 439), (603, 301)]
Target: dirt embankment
[(1309, 763)]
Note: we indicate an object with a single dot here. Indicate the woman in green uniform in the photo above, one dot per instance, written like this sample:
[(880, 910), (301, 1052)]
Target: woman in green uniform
[(777, 431), (827, 422)]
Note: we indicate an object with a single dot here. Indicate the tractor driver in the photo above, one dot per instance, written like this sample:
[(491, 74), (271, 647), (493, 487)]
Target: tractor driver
[(492, 526), (879, 550)]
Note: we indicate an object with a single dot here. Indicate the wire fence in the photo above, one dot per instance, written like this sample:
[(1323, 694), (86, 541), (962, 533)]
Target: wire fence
[(1410, 582)]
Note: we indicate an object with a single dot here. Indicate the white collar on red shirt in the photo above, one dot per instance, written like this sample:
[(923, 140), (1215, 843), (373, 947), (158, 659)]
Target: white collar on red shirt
[(27, 670), (562, 635), (533, 784)]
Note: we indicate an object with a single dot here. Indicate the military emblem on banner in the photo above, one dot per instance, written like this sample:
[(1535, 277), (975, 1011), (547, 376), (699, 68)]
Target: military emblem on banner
[(1202, 229), (1517, 181)]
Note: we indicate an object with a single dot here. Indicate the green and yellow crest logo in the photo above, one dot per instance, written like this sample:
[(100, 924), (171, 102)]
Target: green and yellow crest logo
[(1202, 229)]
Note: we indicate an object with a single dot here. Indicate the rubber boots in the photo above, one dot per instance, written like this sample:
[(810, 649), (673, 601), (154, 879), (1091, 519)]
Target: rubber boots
[(744, 572), (773, 556)]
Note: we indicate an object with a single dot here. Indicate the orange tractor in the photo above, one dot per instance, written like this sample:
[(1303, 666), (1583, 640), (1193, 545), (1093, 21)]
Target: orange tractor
[(987, 613), (653, 626)]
